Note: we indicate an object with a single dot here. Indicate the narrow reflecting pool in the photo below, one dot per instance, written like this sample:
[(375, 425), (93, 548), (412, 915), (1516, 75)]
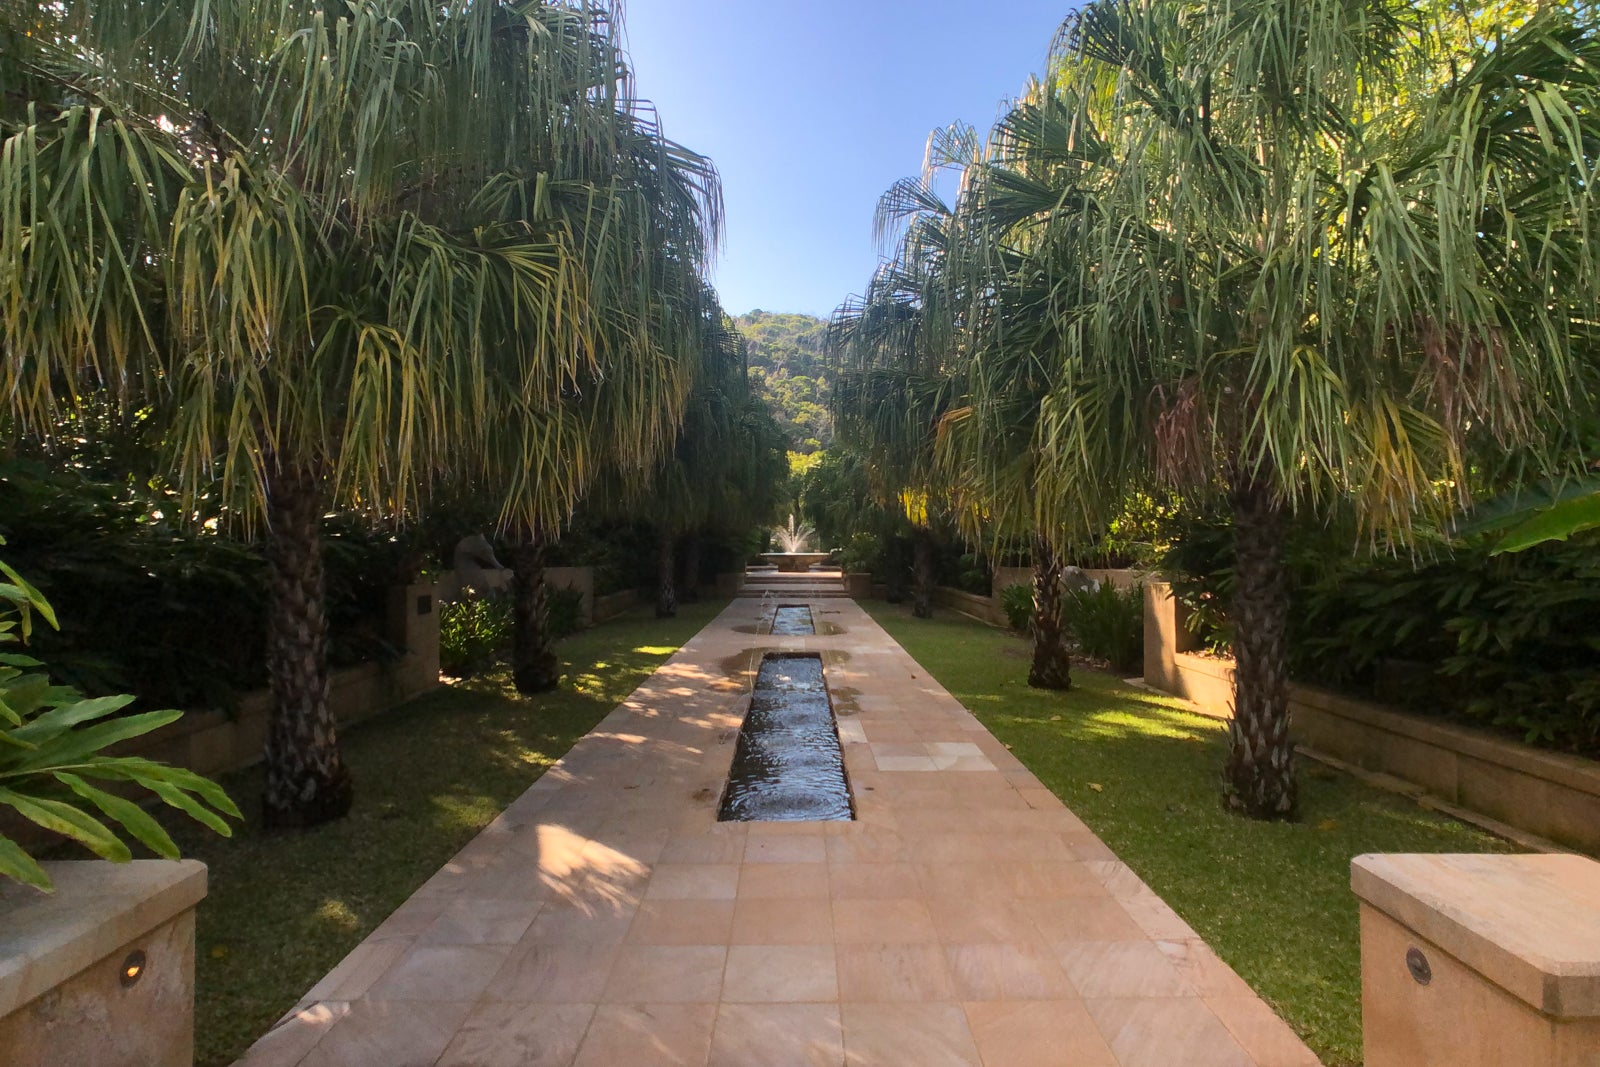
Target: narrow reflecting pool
[(788, 766), (791, 620)]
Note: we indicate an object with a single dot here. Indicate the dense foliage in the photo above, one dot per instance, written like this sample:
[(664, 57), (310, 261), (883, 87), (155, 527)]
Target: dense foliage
[(475, 631), (347, 256), (791, 371), (154, 606), (1294, 261), (1108, 624), (53, 743)]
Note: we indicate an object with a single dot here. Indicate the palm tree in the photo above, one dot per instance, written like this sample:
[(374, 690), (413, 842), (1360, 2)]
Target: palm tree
[(319, 245), (1316, 258), (987, 449), (646, 242), (726, 468), (896, 349)]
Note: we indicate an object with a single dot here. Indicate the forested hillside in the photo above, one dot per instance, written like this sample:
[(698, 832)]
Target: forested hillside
[(788, 367)]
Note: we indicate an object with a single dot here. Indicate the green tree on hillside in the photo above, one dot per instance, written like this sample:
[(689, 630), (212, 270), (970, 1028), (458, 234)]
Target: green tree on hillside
[(789, 369)]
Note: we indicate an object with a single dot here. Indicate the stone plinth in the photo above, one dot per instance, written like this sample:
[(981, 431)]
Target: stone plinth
[(1479, 961), (66, 996)]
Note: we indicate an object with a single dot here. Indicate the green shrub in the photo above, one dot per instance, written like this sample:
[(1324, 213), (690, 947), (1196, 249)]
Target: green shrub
[(566, 613), (1016, 600), (1109, 624), (164, 609), (52, 744), (473, 633), (476, 631), (860, 554), (1509, 640)]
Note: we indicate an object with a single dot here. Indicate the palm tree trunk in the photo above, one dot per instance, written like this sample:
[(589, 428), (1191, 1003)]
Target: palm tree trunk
[(922, 574), (307, 781), (666, 594), (691, 569), (534, 666), (1051, 663), (1259, 778)]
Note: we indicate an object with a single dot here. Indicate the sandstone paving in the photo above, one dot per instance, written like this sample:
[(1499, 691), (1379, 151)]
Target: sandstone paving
[(965, 916)]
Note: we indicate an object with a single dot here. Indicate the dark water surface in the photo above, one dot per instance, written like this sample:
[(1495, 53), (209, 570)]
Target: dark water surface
[(788, 766)]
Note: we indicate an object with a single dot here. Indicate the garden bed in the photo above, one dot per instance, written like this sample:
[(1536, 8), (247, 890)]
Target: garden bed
[(1272, 899)]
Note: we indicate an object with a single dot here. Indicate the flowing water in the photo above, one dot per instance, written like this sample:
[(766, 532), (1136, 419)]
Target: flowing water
[(792, 621), (788, 766)]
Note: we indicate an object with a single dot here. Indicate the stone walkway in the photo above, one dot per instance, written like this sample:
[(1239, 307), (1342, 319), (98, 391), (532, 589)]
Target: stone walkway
[(606, 917)]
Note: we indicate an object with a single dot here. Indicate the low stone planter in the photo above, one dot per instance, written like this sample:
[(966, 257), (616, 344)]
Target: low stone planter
[(1551, 794), (613, 604), (981, 608), (101, 972), (1479, 961)]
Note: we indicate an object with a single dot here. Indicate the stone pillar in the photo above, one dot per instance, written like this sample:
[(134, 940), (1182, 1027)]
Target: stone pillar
[(1479, 961), (414, 626), (102, 971), (1161, 627)]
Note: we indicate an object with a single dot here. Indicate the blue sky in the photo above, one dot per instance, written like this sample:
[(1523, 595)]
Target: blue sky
[(812, 108)]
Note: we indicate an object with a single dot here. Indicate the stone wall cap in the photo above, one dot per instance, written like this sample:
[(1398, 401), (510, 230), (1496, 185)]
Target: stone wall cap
[(98, 907), (1529, 924)]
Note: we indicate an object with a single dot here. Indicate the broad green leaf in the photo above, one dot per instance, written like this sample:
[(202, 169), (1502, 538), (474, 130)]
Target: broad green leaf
[(79, 745), (16, 863), (60, 817), (26, 694), (129, 815), (61, 719), (1556, 523), (177, 798)]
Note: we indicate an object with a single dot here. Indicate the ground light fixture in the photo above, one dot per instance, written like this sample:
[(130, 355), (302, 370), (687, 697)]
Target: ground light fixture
[(132, 969)]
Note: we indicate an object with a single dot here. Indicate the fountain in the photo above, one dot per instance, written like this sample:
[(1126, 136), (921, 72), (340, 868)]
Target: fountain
[(794, 559)]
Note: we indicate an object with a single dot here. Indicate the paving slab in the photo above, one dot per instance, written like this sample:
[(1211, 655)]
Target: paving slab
[(965, 916)]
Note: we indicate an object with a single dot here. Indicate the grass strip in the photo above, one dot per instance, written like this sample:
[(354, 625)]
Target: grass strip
[(284, 908), (1273, 899)]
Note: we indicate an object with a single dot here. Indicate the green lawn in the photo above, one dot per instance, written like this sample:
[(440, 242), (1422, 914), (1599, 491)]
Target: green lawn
[(283, 909), (1273, 899)]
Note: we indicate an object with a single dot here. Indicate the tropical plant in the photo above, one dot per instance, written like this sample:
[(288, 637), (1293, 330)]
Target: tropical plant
[(1108, 623), (474, 631), (726, 467), (1525, 517), (52, 752), (1305, 254), (342, 254), (1016, 600), (1510, 639), (896, 380)]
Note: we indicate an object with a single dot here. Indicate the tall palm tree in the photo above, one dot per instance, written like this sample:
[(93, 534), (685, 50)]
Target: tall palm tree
[(317, 242), (727, 465), (896, 348), (1323, 258), (646, 239), (987, 450)]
